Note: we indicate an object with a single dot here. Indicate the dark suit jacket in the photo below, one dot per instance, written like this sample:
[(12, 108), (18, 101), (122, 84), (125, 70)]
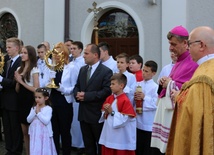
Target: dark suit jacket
[(96, 91), (9, 95)]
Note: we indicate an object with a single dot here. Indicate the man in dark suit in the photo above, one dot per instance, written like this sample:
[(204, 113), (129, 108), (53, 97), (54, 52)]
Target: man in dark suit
[(91, 90), (11, 124)]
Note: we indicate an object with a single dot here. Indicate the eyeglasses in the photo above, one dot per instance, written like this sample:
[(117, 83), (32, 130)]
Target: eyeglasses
[(189, 43)]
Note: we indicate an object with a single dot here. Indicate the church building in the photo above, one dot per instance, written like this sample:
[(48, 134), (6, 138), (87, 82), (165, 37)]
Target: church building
[(131, 26)]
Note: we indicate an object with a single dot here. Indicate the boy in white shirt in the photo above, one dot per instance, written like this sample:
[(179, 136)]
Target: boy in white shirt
[(122, 65), (44, 71), (119, 120), (148, 97), (106, 57)]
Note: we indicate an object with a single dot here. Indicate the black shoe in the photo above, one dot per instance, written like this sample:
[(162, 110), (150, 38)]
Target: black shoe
[(81, 151), (74, 148)]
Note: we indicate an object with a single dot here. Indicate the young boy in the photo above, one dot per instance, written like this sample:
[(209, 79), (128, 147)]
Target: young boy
[(122, 65), (135, 66), (119, 120), (44, 71), (148, 97)]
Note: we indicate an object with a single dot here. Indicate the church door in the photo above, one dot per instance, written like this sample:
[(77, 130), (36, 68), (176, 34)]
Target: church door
[(119, 30)]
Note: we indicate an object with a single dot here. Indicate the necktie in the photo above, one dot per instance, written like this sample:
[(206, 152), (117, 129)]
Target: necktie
[(10, 66), (88, 74), (71, 58)]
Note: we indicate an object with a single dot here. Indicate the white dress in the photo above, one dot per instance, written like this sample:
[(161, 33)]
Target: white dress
[(40, 131)]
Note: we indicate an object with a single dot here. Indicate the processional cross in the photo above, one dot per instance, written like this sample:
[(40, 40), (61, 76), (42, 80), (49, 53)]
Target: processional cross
[(95, 10)]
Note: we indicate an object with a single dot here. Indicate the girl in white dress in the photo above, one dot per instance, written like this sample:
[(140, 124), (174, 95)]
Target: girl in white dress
[(40, 130)]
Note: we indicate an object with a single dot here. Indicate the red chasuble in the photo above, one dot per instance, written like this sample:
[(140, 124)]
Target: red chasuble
[(124, 105), (139, 75)]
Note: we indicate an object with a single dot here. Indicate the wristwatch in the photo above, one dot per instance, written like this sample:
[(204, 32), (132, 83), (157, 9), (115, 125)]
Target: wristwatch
[(112, 113)]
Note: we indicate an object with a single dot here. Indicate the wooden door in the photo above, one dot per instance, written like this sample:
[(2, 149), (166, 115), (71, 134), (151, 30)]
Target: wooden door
[(119, 30), (122, 45)]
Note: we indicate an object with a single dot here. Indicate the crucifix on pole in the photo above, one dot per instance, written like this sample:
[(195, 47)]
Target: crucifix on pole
[(95, 10)]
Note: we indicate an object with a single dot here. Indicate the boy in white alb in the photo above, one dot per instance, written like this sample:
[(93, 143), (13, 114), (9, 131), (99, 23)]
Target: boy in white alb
[(119, 120), (145, 117), (106, 57), (122, 65)]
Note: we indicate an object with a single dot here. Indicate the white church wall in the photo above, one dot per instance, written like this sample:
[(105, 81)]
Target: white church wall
[(173, 14), (29, 16), (54, 21), (200, 13)]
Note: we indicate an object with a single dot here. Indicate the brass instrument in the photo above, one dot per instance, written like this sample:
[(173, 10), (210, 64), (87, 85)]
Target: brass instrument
[(55, 65), (1, 62)]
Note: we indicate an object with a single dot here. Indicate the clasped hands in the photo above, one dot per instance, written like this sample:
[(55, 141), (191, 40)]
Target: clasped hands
[(107, 108), (164, 81), (37, 109), (80, 96)]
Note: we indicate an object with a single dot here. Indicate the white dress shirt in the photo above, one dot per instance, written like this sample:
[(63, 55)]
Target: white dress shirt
[(112, 64)]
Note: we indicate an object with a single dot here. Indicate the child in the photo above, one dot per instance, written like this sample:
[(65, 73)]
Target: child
[(40, 130), (135, 66), (148, 97), (119, 120), (122, 65)]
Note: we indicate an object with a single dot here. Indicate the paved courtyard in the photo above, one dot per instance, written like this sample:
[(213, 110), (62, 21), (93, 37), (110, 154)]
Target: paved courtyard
[(3, 151), (2, 145)]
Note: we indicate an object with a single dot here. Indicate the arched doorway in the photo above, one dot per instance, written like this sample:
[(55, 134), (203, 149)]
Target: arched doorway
[(119, 30), (8, 29)]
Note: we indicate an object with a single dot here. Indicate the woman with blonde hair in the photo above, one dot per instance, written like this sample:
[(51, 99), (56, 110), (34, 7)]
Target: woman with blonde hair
[(62, 98)]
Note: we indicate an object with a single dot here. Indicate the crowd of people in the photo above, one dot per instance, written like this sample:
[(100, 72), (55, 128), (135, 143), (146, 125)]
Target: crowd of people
[(102, 106)]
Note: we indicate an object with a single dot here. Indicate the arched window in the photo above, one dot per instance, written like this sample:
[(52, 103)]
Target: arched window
[(119, 30), (8, 29), (117, 24)]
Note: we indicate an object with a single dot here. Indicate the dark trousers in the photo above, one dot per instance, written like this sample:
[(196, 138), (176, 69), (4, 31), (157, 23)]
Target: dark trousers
[(91, 135), (143, 142), (156, 151), (12, 132), (61, 123)]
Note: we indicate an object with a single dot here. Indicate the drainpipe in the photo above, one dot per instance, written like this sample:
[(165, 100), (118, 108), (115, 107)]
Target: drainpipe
[(67, 15)]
